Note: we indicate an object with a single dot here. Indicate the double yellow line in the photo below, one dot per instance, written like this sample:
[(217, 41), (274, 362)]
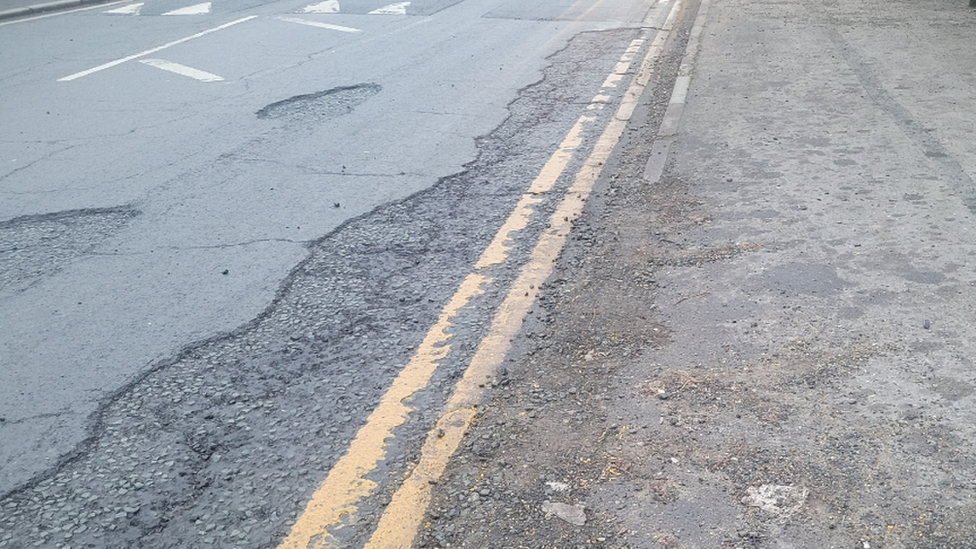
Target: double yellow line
[(334, 503)]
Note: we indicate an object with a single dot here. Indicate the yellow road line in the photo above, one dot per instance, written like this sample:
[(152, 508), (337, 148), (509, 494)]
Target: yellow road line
[(334, 503), (497, 251), (402, 518)]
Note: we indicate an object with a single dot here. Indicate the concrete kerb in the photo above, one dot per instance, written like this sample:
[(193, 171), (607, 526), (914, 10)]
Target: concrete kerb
[(47, 7)]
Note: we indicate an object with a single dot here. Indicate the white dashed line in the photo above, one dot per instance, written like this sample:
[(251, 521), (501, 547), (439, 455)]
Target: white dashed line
[(196, 9), (182, 70), (131, 9), (339, 28), (111, 64), (400, 8), (329, 6)]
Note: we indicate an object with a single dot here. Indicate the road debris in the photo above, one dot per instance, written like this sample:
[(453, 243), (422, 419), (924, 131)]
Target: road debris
[(782, 501), (573, 514)]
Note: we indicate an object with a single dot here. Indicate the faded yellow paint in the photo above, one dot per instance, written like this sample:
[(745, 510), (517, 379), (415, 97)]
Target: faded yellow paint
[(401, 519), (497, 251), (334, 502), (398, 525)]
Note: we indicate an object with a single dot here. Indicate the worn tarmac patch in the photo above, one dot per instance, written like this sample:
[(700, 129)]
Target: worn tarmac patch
[(33, 246), (322, 105)]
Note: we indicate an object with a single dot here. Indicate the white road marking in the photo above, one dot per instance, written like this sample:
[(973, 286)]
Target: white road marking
[(339, 28), (329, 6), (111, 64), (131, 9), (182, 70), (400, 8), (196, 9)]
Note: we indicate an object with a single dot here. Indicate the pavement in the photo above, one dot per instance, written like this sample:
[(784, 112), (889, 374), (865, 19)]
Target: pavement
[(765, 340)]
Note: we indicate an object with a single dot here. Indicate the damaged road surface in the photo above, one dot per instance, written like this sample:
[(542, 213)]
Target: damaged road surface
[(490, 274), (250, 253)]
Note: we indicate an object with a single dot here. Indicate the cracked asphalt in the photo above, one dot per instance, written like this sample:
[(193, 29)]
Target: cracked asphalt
[(184, 368), (227, 186), (758, 334)]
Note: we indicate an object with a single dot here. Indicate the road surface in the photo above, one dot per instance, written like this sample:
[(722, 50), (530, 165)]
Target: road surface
[(608, 274), (230, 228)]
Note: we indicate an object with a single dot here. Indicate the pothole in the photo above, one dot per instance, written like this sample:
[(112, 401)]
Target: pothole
[(321, 105), (32, 246)]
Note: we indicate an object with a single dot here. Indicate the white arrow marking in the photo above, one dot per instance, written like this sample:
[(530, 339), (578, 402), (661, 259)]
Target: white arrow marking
[(329, 6), (400, 8), (182, 70), (317, 24), (131, 9), (196, 9)]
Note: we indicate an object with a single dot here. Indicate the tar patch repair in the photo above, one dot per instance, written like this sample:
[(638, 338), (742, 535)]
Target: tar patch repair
[(33, 246)]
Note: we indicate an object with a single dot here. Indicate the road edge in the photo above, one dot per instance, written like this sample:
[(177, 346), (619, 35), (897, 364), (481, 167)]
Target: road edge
[(37, 9)]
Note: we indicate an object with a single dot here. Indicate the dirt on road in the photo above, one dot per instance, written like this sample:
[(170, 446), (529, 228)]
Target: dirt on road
[(771, 344)]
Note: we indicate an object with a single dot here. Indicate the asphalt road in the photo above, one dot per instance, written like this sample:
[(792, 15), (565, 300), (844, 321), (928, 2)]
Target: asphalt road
[(227, 227)]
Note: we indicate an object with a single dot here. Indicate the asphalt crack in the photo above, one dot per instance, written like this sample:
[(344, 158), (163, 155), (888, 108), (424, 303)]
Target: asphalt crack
[(222, 443)]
